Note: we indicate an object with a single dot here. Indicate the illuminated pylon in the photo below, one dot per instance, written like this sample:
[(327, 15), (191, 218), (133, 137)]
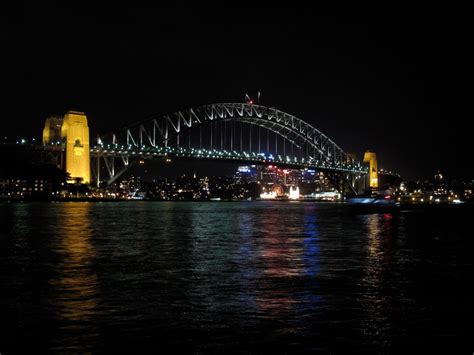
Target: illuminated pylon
[(371, 158), (75, 132), (72, 132)]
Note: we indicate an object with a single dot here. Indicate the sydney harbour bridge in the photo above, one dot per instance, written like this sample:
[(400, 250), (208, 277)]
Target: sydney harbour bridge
[(238, 132)]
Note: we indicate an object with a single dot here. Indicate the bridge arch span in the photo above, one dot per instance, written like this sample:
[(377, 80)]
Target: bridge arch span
[(160, 130)]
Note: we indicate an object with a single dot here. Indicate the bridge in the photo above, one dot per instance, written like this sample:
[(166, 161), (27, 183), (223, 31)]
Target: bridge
[(239, 132)]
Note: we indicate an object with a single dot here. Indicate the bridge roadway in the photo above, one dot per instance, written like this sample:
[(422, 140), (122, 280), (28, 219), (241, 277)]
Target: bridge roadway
[(215, 154)]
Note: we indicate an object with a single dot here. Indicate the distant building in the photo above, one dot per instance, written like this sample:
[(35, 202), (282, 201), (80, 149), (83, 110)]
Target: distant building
[(246, 173), (25, 188)]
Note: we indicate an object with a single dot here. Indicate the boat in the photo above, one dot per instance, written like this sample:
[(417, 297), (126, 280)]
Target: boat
[(374, 202)]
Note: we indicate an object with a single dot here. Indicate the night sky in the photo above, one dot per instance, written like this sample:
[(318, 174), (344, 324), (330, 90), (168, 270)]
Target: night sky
[(391, 80)]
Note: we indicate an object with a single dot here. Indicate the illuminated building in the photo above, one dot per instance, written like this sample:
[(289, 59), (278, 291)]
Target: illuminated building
[(307, 176), (269, 174), (294, 193), (25, 188), (268, 195), (276, 191), (245, 173)]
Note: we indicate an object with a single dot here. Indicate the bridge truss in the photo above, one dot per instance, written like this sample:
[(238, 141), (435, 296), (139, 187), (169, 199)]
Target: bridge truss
[(237, 132)]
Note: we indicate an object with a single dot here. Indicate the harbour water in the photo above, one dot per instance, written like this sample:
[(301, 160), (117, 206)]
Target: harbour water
[(233, 277)]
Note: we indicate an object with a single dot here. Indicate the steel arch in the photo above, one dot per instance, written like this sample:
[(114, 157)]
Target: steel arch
[(158, 131)]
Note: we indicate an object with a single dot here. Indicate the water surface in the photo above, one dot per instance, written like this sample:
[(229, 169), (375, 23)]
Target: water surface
[(208, 277)]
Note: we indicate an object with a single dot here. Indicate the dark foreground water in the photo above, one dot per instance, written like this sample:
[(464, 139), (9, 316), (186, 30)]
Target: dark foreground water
[(233, 277)]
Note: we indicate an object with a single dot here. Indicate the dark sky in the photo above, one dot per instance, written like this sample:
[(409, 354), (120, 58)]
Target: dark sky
[(391, 80)]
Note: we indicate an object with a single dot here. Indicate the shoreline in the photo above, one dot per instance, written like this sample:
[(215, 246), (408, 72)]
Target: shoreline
[(401, 207)]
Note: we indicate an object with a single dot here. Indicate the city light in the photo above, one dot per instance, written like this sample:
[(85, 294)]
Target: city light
[(268, 195), (244, 169), (294, 193)]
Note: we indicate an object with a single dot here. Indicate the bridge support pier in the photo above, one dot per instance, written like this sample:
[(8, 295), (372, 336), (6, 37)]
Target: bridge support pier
[(343, 182), (71, 132)]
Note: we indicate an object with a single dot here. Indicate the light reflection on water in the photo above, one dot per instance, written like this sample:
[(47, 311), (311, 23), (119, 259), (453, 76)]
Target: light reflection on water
[(75, 286), (288, 255), (375, 300), (200, 276)]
